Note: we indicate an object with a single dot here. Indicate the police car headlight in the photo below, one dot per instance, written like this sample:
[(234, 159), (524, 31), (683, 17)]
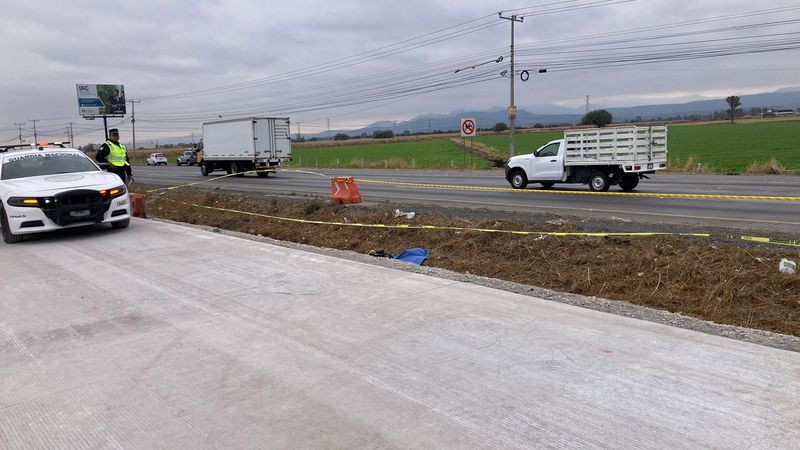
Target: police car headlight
[(114, 192), (31, 202)]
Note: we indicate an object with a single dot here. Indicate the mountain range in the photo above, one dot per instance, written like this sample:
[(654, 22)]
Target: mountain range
[(786, 98)]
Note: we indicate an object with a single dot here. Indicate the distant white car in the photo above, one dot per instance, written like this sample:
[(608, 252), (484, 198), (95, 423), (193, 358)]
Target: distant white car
[(46, 188), (156, 159)]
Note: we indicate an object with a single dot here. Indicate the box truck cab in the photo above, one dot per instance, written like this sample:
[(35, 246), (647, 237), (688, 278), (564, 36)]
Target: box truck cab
[(600, 158)]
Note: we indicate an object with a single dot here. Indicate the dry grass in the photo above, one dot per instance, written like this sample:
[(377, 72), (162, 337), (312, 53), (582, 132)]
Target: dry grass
[(771, 167), (723, 283), (692, 165), (482, 150)]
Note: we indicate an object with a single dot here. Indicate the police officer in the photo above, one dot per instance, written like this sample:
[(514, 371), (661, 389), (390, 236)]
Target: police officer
[(115, 154)]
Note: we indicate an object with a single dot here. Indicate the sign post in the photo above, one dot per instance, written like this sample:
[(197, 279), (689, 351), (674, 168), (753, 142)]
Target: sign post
[(469, 129)]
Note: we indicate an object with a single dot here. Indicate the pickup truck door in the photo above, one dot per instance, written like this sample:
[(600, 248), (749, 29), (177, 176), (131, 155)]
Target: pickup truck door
[(548, 163)]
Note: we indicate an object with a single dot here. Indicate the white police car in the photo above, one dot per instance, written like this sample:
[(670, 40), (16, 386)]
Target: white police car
[(46, 188)]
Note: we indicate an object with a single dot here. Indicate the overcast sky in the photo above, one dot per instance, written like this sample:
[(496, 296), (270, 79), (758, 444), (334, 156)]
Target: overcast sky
[(161, 48)]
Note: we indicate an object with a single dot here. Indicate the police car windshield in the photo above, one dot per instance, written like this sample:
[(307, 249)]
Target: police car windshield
[(44, 163)]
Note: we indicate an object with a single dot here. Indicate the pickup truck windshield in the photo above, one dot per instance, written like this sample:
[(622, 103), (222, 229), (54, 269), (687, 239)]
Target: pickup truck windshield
[(48, 163)]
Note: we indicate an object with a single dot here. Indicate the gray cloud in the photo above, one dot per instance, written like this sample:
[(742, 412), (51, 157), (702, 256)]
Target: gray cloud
[(159, 48)]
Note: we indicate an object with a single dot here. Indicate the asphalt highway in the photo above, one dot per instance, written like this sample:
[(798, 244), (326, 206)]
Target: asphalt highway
[(754, 215)]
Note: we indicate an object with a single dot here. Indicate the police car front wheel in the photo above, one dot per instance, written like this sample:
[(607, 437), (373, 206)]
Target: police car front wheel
[(8, 236)]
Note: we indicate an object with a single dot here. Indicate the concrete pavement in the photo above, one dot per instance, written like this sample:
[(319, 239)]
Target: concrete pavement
[(168, 336)]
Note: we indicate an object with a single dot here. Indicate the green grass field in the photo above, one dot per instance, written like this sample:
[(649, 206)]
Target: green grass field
[(732, 147), (429, 154), (719, 147)]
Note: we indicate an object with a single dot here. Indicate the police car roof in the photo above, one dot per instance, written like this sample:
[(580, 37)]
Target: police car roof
[(35, 148)]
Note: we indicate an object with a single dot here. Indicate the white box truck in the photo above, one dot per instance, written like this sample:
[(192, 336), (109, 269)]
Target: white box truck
[(600, 157), (240, 145)]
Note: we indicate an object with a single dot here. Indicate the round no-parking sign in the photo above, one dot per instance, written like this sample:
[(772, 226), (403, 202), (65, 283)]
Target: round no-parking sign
[(468, 128)]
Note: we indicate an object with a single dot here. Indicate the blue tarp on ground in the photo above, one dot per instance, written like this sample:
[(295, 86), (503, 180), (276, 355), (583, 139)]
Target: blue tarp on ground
[(413, 255)]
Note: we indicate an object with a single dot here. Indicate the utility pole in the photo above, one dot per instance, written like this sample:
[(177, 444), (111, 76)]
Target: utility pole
[(587, 104), (512, 110), (329, 128), (35, 136), (298, 131), (133, 123), (19, 126), (71, 135)]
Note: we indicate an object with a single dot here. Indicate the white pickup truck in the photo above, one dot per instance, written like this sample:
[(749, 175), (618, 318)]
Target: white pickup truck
[(600, 157)]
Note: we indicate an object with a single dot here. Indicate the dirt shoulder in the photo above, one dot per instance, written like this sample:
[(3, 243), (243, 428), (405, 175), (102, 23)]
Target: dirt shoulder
[(726, 282)]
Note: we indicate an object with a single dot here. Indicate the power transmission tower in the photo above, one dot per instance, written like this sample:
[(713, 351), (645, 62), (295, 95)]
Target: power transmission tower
[(19, 126), (35, 136), (512, 109), (133, 123)]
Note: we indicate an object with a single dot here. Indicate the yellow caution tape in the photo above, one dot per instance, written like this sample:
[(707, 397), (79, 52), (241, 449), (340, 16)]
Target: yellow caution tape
[(763, 240), (552, 191)]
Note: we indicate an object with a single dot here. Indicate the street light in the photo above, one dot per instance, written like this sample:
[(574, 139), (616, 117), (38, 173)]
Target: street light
[(497, 60)]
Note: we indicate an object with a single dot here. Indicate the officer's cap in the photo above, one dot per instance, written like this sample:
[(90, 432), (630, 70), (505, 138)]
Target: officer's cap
[(113, 131)]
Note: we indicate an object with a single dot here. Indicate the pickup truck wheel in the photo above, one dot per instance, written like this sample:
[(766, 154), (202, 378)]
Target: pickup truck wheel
[(178, 162), (629, 182), (518, 179), (204, 170), (547, 184), (599, 182), (8, 236)]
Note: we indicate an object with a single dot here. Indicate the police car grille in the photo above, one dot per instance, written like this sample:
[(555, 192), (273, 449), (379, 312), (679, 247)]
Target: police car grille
[(79, 198)]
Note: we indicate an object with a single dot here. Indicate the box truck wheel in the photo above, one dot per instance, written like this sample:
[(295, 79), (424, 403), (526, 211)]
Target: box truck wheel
[(629, 182), (204, 169), (262, 174), (599, 182), (518, 179)]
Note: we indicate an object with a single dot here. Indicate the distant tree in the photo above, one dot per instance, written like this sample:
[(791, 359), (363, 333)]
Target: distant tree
[(733, 103), (341, 137), (538, 125), (363, 135), (383, 134), (88, 148), (598, 118), (500, 126)]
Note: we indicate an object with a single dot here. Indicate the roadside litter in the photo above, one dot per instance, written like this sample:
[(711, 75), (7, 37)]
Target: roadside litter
[(380, 254), (407, 215), (413, 255), (787, 266)]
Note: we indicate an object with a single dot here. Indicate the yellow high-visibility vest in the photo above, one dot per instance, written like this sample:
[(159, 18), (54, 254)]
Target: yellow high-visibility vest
[(118, 155)]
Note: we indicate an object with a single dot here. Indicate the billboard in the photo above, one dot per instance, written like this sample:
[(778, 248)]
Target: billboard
[(101, 99)]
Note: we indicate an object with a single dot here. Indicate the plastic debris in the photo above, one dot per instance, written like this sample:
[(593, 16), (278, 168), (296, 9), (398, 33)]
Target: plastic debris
[(413, 255), (787, 266), (407, 215)]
